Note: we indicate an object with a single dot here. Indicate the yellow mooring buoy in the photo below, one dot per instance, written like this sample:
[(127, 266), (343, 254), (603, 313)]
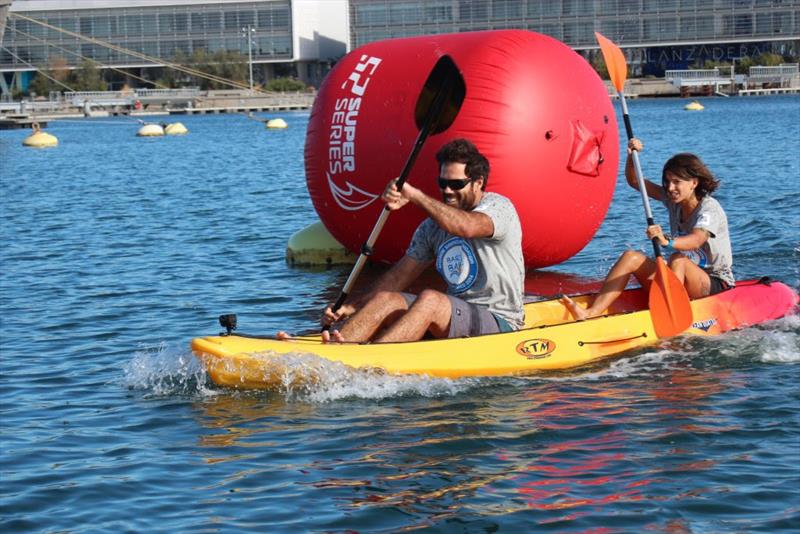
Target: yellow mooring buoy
[(176, 128), (276, 124), (150, 130), (39, 139), (314, 245)]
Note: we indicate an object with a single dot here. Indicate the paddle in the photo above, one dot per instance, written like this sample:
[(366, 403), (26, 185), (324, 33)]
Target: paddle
[(669, 304), (436, 109)]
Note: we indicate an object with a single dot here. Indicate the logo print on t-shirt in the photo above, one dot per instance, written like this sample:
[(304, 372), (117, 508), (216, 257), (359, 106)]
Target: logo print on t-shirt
[(455, 261)]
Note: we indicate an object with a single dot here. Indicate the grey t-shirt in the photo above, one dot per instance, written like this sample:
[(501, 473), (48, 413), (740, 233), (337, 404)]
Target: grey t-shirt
[(715, 256), (488, 271)]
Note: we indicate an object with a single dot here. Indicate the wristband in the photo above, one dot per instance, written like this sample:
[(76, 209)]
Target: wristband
[(670, 241)]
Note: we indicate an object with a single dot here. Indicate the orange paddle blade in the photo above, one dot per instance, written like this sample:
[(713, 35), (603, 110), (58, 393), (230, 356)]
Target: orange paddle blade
[(669, 303), (615, 61)]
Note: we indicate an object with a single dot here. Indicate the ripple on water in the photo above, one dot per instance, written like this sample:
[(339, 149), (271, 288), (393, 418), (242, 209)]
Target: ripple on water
[(118, 250)]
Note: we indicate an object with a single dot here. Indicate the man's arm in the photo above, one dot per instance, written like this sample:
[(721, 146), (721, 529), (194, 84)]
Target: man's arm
[(400, 276), (466, 224)]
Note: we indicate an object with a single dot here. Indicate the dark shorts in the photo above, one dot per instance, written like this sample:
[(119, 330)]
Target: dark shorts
[(717, 285), (467, 320)]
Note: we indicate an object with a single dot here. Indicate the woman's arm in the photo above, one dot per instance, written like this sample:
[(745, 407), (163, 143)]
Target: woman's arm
[(654, 191), (693, 241)]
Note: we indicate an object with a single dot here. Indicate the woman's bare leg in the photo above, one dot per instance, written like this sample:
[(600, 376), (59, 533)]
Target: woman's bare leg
[(694, 279), (630, 263)]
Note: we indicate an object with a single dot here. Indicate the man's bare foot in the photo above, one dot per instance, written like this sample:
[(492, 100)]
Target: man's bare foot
[(332, 336), (578, 312), (283, 336)]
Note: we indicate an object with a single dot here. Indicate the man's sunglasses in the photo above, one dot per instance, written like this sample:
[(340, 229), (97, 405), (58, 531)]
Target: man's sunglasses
[(455, 185)]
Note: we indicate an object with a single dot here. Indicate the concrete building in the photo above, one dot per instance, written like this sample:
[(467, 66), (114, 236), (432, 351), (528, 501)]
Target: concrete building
[(657, 34), (301, 38)]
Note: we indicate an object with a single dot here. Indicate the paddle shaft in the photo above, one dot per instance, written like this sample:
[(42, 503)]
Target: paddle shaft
[(639, 175), (366, 248)]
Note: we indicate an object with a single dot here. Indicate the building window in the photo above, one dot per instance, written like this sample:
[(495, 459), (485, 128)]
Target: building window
[(782, 23), (86, 25), (214, 21), (743, 24), (405, 13), (476, 10), (370, 15), (198, 21), (231, 20), (688, 28), (150, 24), (133, 25), (281, 17), (439, 12), (247, 18), (507, 9), (181, 22), (166, 23)]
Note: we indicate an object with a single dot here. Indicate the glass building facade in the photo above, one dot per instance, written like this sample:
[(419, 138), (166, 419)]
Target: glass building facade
[(160, 31), (687, 28)]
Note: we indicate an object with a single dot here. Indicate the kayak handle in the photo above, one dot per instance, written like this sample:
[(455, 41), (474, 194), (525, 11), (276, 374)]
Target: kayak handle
[(582, 343)]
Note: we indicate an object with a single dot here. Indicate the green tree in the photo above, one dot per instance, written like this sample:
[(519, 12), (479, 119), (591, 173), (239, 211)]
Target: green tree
[(769, 59), (285, 85), (87, 77), (42, 85), (230, 65), (43, 82), (599, 64)]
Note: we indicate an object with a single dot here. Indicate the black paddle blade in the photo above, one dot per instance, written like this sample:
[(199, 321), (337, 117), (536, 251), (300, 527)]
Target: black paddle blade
[(445, 82)]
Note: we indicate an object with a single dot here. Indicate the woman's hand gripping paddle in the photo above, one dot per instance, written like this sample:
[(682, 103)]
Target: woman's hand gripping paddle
[(436, 109), (669, 304)]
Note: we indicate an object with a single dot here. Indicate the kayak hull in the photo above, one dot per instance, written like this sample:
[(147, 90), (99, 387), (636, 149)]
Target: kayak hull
[(550, 341)]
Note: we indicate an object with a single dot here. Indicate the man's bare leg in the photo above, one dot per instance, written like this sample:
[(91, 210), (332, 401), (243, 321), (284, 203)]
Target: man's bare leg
[(384, 307), (430, 312)]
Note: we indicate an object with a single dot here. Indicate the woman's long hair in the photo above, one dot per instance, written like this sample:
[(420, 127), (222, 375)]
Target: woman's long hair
[(687, 166)]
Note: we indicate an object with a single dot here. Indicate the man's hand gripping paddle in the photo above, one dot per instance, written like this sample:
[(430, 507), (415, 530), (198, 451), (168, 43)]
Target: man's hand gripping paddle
[(437, 107), (670, 308)]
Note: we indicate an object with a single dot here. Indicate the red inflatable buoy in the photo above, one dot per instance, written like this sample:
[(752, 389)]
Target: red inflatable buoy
[(533, 106)]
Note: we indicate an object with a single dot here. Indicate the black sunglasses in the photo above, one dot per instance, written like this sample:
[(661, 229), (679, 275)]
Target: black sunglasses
[(455, 185)]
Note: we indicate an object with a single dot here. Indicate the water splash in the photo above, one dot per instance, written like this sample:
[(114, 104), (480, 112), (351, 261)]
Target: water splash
[(309, 378), (165, 370), (782, 343)]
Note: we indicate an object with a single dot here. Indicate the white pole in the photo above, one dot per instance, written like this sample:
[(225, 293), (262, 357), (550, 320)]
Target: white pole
[(248, 32)]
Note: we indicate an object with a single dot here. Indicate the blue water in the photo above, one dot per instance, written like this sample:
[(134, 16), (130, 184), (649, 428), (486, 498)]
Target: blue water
[(117, 250)]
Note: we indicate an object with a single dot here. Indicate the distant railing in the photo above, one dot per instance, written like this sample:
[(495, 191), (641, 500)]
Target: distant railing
[(79, 97), (182, 92), (28, 106), (703, 74), (701, 77), (781, 74), (785, 69)]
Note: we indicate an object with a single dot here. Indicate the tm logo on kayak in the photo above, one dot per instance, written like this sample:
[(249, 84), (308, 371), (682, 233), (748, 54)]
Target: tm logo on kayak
[(534, 349)]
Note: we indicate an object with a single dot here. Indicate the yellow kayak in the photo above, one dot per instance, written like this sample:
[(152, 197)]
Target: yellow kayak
[(551, 340)]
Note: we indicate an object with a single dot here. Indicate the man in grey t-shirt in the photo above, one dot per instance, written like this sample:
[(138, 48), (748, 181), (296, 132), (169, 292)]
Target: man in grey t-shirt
[(475, 239)]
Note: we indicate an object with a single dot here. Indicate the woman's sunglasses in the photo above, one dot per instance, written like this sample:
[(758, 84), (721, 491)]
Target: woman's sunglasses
[(455, 185)]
